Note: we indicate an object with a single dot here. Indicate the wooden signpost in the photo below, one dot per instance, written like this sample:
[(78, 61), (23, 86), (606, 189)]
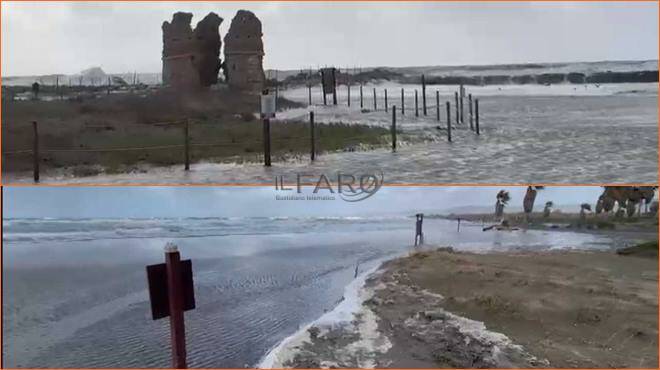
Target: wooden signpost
[(171, 293), (267, 112), (329, 84)]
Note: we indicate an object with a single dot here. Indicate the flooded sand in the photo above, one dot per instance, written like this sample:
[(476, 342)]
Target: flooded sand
[(528, 134)]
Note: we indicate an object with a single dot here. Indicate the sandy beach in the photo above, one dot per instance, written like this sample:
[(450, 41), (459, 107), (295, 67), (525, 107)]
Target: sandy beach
[(441, 308)]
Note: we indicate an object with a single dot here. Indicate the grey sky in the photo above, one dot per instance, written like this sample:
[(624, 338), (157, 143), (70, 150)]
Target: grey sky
[(119, 202), (65, 37)]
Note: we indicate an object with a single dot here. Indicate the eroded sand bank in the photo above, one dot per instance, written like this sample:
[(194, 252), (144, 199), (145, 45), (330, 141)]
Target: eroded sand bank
[(446, 309)]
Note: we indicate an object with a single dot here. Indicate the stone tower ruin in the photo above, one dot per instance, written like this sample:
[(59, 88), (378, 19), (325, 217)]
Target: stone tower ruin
[(244, 53), (191, 58)]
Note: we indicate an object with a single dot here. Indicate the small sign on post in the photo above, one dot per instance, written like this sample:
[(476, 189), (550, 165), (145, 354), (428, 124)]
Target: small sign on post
[(171, 293), (268, 104), (329, 83)]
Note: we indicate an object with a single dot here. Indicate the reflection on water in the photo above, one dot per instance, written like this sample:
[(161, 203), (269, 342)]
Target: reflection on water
[(74, 292)]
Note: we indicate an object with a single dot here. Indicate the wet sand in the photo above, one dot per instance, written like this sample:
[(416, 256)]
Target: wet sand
[(544, 309)]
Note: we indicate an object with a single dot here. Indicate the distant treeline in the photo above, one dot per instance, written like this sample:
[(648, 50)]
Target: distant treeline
[(314, 78)]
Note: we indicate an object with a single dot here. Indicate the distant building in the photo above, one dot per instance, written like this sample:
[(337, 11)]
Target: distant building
[(244, 53), (191, 58)]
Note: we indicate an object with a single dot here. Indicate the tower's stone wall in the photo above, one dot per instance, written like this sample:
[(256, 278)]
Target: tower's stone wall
[(191, 58), (244, 53)]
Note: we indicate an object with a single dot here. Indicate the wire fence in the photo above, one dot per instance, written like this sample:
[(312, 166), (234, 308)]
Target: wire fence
[(298, 137), (310, 138)]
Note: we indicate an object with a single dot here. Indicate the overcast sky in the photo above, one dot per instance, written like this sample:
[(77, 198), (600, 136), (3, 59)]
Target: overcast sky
[(67, 37), (137, 201)]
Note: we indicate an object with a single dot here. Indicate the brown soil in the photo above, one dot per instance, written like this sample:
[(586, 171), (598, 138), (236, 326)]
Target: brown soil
[(573, 309), (442, 309)]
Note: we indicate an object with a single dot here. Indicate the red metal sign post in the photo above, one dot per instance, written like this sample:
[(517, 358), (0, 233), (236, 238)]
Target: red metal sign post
[(171, 293), (175, 292)]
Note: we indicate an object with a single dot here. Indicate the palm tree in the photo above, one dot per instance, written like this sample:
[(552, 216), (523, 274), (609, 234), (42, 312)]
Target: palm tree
[(547, 209), (503, 199), (528, 201)]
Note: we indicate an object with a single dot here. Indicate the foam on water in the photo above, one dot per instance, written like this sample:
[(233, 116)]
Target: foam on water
[(354, 296)]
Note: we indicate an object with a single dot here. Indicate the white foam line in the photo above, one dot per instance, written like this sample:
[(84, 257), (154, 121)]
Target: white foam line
[(342, 313)]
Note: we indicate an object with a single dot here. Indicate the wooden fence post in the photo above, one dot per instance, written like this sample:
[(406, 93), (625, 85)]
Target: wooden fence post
[(462, 110), (476, 113), (361, 99), (456, 99), (311, 127), (186, 144), (416, 105), (35, 151), (424, 95), (470, 111), (375, 105), (325, 101), (403, 112), (385, 100), (448, 122), (309, 92), (393, 128), (334, 87), (437, 105), (266, 138)]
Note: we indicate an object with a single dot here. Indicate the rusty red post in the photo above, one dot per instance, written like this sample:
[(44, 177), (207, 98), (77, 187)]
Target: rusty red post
[(175, 293)]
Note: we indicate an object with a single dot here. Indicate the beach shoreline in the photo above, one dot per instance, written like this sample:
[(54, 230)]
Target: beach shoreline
[(441, 308)]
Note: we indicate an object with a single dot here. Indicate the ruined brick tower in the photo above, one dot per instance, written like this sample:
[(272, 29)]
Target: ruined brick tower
[(244, 53), (191, 58)]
